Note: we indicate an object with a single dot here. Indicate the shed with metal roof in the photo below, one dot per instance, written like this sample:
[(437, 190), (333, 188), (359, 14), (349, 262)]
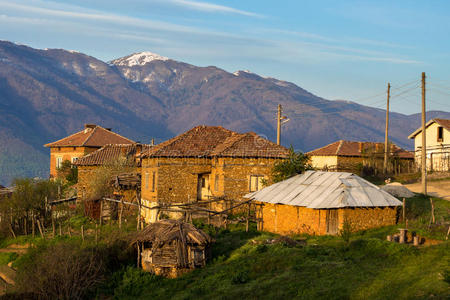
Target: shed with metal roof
[(319, 202)]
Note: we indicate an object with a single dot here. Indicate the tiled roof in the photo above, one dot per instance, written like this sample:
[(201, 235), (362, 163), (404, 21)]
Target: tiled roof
[(91, 136), (349, 148), (442, 122), (213, 141), (111, 152)]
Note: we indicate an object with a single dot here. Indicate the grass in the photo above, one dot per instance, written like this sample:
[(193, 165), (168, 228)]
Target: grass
[(327, 268), (243, 266), (7, 257)]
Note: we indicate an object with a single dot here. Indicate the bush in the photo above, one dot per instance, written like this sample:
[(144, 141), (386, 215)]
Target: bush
[(60, 271), (131, 282), (240, 277), (346, 232)]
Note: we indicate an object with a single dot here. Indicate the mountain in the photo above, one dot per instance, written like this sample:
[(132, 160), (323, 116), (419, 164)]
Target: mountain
[(48, 94)]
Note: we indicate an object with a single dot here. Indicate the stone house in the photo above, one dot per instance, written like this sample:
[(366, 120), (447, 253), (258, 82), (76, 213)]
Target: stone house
[(117, 158), (319, 202), (351, 156), (206, 162), (70, 148), (438, 145)]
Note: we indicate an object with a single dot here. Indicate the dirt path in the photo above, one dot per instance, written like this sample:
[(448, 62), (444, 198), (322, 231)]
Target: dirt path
[(439, 189)]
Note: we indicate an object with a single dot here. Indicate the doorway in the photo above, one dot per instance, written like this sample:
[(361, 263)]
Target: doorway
[(332, 221), (203, 191)]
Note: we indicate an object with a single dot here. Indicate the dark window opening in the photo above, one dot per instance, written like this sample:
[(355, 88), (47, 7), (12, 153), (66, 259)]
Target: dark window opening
[(440, 135)]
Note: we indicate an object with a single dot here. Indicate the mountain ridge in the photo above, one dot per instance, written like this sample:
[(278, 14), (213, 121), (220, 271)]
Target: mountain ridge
[(48, 94)]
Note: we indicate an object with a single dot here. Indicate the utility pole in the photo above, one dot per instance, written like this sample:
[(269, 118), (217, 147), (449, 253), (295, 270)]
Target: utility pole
[(386, 132), (424, 140), (280, 121)]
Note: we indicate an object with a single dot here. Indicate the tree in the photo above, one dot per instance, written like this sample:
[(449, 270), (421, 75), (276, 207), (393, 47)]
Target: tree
[(296, 163), (69, 172)]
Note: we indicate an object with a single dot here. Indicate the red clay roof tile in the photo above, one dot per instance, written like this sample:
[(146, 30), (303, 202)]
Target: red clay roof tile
[(95, 136), (213, 141), (350, 148)]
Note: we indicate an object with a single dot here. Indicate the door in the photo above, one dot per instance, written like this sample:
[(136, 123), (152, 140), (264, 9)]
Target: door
[(203, 187), (332, 221)]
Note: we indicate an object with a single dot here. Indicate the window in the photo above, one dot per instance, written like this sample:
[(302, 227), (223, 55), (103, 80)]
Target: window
[(146, 180), (59, 162), (256, 182), (440, 134), (74, 159), (216, 182), (203, 182), (153, 181)]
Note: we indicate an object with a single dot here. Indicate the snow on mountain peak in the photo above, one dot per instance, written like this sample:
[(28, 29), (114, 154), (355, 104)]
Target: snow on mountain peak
[(138, 59)]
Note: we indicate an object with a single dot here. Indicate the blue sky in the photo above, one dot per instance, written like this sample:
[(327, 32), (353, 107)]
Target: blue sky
[(335, 49)]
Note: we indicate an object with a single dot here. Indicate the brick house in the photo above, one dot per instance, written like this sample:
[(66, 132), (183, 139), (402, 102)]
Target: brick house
[(319, 202), (204, 162), (110, 154), (70, 148), (351, 156), (438, 145)]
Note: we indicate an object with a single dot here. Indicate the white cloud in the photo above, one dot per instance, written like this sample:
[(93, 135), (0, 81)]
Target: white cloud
[(210, 7)]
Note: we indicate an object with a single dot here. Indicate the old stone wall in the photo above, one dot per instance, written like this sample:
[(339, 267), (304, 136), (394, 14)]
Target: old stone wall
[(86, 174)]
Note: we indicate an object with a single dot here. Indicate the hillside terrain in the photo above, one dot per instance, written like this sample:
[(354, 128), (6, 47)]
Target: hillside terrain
[(48, 94)]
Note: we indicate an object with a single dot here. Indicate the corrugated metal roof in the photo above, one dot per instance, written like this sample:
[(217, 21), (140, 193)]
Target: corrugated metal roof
[(319, 190)]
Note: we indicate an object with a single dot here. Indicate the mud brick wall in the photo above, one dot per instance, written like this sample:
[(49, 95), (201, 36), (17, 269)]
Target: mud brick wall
[(365, 218), (287, 219)]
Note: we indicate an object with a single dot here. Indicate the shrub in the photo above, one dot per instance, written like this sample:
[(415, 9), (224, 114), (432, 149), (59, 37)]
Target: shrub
[(240, 277), (60, 271), (346, 232)]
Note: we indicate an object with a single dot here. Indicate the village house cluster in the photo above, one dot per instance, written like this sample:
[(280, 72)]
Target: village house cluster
[(214, 165)]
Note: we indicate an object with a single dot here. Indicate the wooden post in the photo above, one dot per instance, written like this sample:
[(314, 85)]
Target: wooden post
[(138, 254), (416, 240), (96, 233), (69, 230), (248, 217), (385, 163), (404, 210), (403, 236), (41, 229), (101, 212), (139, 210), (60, 230), (448, 232), (82, 233), (12, 230), (33, 226), (53, 227), (432, 220), (278, 123), (424, 140), (120, 212)]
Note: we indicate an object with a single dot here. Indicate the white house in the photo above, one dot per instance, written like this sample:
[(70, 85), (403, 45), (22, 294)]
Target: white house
[(437, 147)]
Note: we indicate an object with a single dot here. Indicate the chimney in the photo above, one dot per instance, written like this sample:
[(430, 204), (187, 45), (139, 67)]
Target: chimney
[(91, 126), (109, 129)]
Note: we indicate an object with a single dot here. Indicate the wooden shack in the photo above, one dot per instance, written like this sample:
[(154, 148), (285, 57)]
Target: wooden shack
[(172, 247)]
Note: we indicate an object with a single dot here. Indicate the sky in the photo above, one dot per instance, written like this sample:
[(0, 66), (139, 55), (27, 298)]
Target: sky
[(338, 50)]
